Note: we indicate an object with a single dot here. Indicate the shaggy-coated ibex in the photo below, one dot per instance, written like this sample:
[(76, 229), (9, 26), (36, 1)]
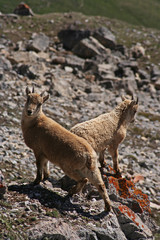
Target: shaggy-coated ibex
[(108, 130), (52, 142)]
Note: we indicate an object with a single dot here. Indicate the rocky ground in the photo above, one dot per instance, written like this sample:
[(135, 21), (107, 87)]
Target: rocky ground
[(86, 72)]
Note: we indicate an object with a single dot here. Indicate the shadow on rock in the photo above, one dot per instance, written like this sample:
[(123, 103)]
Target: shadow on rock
[(51, 199)]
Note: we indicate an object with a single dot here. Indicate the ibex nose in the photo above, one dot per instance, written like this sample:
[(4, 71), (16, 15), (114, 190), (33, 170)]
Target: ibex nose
[(29, 112)]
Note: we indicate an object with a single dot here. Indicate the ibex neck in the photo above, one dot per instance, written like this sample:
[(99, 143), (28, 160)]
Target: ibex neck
[(120, 112), (30, 121)]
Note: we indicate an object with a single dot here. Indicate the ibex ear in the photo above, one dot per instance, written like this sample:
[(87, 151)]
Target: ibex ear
[(27, 91), (45, 98), (123, 98)]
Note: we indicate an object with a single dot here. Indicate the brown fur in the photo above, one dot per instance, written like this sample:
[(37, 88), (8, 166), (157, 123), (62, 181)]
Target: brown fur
[(51, 142), (108, 130)]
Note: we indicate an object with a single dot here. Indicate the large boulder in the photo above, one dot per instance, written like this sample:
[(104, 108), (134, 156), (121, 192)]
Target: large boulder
[(105, 37), (23, 10), (70, 37), (88, 48)]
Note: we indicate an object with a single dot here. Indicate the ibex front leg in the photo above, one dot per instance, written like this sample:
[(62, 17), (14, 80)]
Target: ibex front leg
[(113, 151), (41, 168)]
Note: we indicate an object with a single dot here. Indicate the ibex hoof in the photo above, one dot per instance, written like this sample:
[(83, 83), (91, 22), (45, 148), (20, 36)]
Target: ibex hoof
[(108, 207), (36, 182)]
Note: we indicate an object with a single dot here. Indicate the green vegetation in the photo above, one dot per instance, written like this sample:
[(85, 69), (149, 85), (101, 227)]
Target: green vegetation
[(54, 213), (145, 13)]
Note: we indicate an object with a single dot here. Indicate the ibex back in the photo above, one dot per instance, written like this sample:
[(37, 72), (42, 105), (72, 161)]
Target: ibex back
[(52, 142)]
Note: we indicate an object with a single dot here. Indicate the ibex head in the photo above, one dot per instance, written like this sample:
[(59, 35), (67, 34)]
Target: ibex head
[(34, 103), (131, 107)]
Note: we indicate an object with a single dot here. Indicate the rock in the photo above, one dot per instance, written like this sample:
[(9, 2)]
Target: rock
[(111, 230), (138, 178), (87, 234), (26, 70), (132, 225), (55, 229), (133, 65), (157, 84), (138, 51), (71, 37), (58, 60), (155, 73), (104, 71), (23, 57), (74, 62), (88, 48), (105, 37), (5, 64), (23, 10), (154, 206), (38, 43)]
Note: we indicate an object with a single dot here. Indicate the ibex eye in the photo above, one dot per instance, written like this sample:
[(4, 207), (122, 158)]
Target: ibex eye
[(39, 104)]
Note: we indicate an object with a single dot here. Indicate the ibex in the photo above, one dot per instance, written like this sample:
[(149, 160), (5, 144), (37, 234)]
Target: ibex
[(108, 130), (52, 142)]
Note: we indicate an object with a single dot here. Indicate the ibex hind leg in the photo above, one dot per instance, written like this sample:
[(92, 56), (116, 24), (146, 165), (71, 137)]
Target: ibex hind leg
[(78, 187), (96, 179)]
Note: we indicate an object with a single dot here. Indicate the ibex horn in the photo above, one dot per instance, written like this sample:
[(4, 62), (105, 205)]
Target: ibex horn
[(42, 93), (27, 91), (33, 89), (137, 100)]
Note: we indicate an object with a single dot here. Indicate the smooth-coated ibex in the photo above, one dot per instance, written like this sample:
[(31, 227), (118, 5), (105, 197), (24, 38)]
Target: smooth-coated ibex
[(52, 142), (108, 130)]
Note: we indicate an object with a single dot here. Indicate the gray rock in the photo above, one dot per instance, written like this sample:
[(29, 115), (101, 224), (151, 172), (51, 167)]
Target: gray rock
[(111, 230), (105, 37), (38, 43), (53, 229), (157, 84), (155, 73), (5, 64), (86, 234), (26, 70), (74, 62), (88, 48)]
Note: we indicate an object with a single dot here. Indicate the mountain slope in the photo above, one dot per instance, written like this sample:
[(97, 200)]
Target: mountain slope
[(145, 13)]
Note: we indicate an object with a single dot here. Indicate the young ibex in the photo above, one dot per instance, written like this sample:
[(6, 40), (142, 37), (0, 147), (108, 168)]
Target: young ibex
[(51, 142), (108, 130)]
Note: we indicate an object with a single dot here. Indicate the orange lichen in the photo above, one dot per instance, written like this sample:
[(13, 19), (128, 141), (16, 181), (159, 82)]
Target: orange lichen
[(127, 211), (126, 189)]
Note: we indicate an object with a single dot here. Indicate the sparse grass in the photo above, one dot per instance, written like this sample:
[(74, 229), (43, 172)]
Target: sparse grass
[(7, 229), (54, 213), (135, 12)]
